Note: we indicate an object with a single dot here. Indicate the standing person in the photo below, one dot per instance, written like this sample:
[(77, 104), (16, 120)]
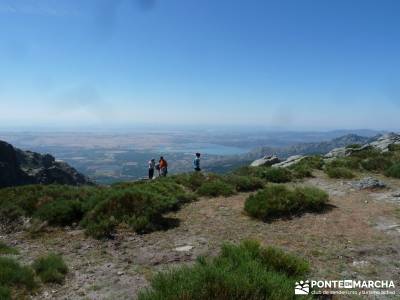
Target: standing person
[(196, 162), (163, 166), (152, 165)]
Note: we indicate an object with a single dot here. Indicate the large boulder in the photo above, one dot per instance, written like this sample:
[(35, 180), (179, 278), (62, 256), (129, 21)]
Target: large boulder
[(292, 160), (19, 167), (265, 161)]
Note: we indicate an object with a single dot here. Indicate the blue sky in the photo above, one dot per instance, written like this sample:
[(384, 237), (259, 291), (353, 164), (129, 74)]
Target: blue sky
[(300, 64)]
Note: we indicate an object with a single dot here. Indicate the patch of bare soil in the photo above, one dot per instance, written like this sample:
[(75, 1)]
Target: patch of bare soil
[(359, 238)]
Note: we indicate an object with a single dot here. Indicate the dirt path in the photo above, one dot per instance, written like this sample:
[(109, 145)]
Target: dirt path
[(359, 238)]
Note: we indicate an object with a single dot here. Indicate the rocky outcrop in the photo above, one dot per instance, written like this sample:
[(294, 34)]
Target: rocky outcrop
[(290, 161), (382, 143), (265, 161), (19, 167), (369, 183)]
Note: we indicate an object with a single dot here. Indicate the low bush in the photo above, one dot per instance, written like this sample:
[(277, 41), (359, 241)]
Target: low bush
[(244, 183), (277, 175), (246, 271), (394, 147), (393, 171), (214, 188), (339, 172), (50, 268), (277, 201), (352, 163), (353, 146), (14, 276), (305, 167), (377, 163), (192, 180), (251, 171), (98, 209), (5, 249)]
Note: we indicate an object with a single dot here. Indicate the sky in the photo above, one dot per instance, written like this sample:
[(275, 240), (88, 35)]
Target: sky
[(292, 64)]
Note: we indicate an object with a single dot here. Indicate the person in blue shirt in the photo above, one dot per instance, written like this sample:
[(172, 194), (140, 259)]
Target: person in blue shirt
[(196, 163)]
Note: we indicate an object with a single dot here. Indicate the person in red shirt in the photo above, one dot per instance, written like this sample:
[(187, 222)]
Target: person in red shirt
[(163, 166)]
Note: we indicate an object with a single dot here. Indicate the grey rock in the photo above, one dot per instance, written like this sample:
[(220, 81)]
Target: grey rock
[(290, 161), (384, 141), (369, 183), (265, 161)]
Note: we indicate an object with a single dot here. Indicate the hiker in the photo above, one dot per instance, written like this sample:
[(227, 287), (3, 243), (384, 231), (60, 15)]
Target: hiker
[(158, 169), (196, 162), (152, 165), (163, 166)]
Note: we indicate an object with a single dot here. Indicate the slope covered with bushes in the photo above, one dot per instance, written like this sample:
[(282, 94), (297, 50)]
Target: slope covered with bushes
[(245, 271)]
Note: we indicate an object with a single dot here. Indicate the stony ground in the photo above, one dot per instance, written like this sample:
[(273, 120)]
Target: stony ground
[(359, 237)]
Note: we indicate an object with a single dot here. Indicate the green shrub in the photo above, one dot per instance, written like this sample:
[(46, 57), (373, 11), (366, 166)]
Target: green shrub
[(246, 271), (378, 163), (394, 147), (366, 153), (99, 209), (125, 205), (215, 188), (5, 249), (277, 175), (301, 171), (353, 146), (5, 293), (50, 268), (277, 201), (345, 162), (339, 172), (244, 183), (251, 171), (192, 180), (61, 212), (13, 275), (305, 167), (393, 171)]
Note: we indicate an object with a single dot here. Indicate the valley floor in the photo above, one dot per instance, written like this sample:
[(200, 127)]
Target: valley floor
[(358, 238)]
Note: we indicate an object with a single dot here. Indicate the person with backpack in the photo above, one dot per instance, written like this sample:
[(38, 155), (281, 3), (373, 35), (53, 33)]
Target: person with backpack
[(152, 165), (163, 166), (196, 162)]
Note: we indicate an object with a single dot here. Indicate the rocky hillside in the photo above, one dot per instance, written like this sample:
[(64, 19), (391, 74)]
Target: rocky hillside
[(312, 148), (18, 167)]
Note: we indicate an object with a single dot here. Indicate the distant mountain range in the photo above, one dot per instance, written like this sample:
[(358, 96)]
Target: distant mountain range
[(229, 163)]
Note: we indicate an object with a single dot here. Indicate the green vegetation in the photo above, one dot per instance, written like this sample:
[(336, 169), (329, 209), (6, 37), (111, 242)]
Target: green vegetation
[(305, 167), (14, 276), (277, 175), (394, 147), (50, 268), (353, 146), (245, 183), (5, 249), (277, 201), (394, 171), (98, 209), (214, 188), (246, 271), (339, 172), (16, 281), (368, 159)]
